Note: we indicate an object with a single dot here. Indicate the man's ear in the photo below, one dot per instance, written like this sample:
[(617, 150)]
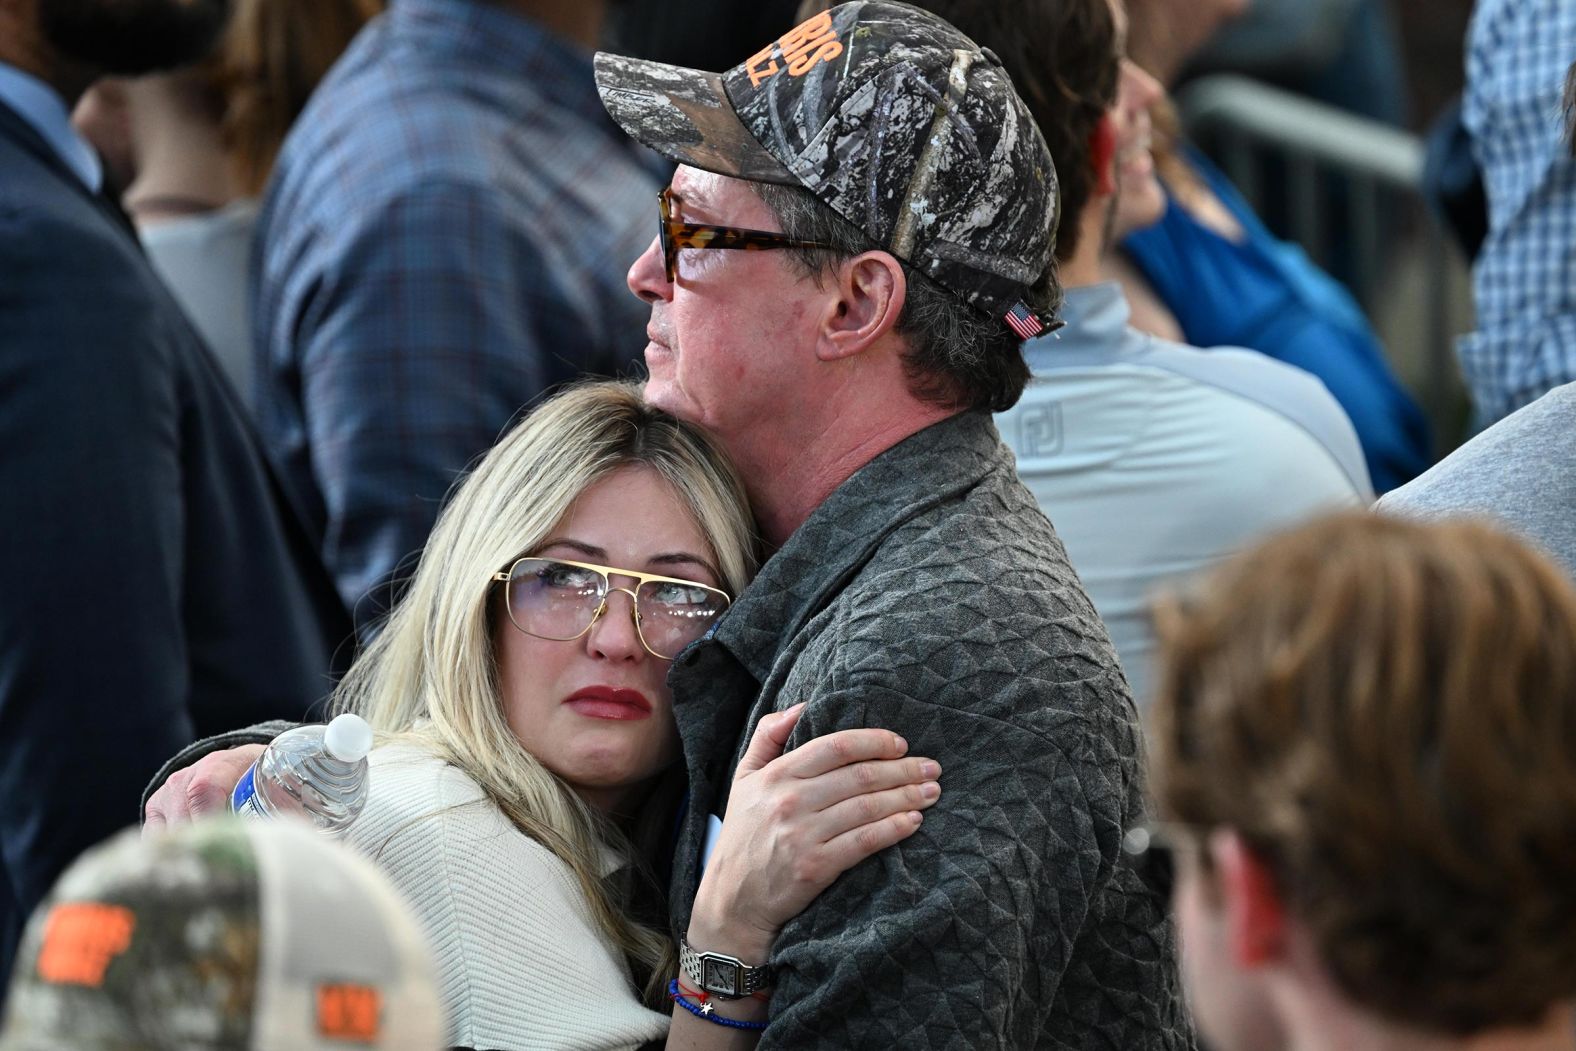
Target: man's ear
[(869, 291), (1255, 910), (1102, 155)]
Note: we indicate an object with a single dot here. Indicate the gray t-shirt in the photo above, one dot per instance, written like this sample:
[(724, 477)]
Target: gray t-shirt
[(206, 261), (1518, 472)]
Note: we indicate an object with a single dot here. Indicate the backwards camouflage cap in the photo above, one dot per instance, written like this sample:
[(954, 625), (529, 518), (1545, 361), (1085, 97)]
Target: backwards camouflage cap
[(226, 935), (901, 124)]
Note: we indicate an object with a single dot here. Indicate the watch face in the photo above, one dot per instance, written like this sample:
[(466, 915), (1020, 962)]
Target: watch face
[(720, 977)]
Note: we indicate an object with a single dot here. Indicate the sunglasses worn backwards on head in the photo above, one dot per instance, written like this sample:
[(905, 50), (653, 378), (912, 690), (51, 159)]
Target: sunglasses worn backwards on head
[(675, 234), (554, 598)]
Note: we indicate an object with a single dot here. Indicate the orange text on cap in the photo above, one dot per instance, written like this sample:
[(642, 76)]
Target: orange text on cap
[(80, 940), (349, 1012), (813, 40)]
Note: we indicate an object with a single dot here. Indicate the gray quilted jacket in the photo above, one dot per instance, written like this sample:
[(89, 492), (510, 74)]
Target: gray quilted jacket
[(930, 596)]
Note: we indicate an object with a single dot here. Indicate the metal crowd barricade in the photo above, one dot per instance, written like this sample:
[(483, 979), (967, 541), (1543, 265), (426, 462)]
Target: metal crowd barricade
[(1246, 124)]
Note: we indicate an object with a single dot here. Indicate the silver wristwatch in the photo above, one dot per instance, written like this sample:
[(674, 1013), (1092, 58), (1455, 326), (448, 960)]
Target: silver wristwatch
[(724, 977)]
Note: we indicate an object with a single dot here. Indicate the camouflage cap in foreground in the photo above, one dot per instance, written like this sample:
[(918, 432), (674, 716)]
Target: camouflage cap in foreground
[(900, 123), (226, 935)]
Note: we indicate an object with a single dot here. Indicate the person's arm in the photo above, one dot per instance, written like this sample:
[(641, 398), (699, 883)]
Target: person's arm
[(415, 352), (962, 934), (94, 675), (795, 823), (198, 779)]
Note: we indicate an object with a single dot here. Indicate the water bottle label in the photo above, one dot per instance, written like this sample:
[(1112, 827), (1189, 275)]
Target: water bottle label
[(244, 799)]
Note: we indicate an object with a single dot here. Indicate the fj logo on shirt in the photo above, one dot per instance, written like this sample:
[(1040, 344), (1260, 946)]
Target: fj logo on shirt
[(80, 940), (1040, 430), (349, 1012), (800, 48)]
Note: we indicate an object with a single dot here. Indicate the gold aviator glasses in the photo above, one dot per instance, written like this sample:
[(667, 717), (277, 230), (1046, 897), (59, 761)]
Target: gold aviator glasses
[(554, 598)]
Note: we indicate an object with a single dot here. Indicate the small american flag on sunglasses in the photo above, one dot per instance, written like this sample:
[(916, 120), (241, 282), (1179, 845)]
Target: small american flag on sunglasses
[(1024, 321)]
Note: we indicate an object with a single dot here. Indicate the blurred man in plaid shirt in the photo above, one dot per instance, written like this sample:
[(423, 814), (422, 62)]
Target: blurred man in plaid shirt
[(445, 237)]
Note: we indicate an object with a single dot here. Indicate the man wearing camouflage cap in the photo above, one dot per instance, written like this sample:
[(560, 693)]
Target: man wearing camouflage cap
[(915, 584), (890, 209)]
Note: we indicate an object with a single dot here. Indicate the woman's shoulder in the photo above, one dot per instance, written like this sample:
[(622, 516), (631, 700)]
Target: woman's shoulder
[(417, 798), (500, 909), (425, 812), (409, 765)]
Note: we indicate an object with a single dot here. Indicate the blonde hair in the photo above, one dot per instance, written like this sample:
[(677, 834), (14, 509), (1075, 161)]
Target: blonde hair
[(430, 673)]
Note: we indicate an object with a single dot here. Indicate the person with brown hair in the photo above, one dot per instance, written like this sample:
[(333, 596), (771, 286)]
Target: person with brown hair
[(1364, 751), (193, 149)]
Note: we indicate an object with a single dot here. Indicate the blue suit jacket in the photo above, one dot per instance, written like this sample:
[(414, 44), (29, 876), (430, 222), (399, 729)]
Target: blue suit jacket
[(152, 587)]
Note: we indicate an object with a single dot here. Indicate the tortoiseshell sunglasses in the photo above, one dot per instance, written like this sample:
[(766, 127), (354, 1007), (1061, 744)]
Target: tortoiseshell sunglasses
[(675, 234)]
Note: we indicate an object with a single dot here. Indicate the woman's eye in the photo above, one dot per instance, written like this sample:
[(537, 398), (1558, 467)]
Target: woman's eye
[(572, 577), (672, 594)]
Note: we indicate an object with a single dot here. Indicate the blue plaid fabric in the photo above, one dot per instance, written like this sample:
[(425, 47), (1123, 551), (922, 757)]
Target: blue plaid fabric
[(1518, 52), (445, 237)]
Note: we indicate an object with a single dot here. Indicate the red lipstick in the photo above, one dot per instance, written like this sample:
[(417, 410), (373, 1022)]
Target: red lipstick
[(608, 702)]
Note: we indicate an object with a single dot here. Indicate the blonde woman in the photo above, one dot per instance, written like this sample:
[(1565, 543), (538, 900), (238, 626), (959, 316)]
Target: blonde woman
[(524, 792)]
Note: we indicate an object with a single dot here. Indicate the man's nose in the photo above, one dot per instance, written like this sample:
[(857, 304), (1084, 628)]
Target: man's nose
[(648, 277)]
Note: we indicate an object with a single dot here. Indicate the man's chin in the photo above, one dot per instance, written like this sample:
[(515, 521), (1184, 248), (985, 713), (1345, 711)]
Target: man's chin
[(661, 391)]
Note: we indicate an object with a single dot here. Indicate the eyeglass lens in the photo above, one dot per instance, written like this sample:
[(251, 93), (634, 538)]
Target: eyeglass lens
[(664, 234), (556, 600)]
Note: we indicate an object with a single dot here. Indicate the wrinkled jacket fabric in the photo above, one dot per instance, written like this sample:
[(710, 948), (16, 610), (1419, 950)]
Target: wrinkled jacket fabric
[(930, 596)]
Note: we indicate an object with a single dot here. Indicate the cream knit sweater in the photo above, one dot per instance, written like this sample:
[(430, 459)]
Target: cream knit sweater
[(521, 964)]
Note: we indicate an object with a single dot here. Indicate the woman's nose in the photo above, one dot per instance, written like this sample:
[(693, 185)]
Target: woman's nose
[(615, 634)]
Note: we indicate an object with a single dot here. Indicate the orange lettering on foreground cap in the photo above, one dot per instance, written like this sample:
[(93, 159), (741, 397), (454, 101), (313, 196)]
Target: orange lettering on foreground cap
[(812, 41), (349, 1012), (80, 939)]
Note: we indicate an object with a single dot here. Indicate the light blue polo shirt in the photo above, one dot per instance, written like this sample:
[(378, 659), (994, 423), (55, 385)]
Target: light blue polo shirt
[(1155, 460)]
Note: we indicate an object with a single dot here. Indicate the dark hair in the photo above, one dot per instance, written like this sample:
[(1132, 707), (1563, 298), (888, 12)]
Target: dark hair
[(1063, 58), (1385, 711), (958, 357)]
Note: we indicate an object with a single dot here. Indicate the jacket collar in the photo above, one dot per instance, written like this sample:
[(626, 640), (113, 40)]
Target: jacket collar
[(26, 137), (924, 470), (1097, 325), (38, 104)]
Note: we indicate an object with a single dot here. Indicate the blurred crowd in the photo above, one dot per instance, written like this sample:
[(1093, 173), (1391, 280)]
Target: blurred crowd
[(848, 528)]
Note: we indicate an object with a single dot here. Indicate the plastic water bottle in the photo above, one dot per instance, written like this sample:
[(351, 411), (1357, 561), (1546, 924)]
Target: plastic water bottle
[(315, 772)]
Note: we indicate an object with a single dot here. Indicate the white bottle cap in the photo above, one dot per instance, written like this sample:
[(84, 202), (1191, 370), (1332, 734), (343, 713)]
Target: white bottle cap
[(348, 738)]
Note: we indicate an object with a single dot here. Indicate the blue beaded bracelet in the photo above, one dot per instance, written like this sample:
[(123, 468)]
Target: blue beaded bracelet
[(705, 1011)]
